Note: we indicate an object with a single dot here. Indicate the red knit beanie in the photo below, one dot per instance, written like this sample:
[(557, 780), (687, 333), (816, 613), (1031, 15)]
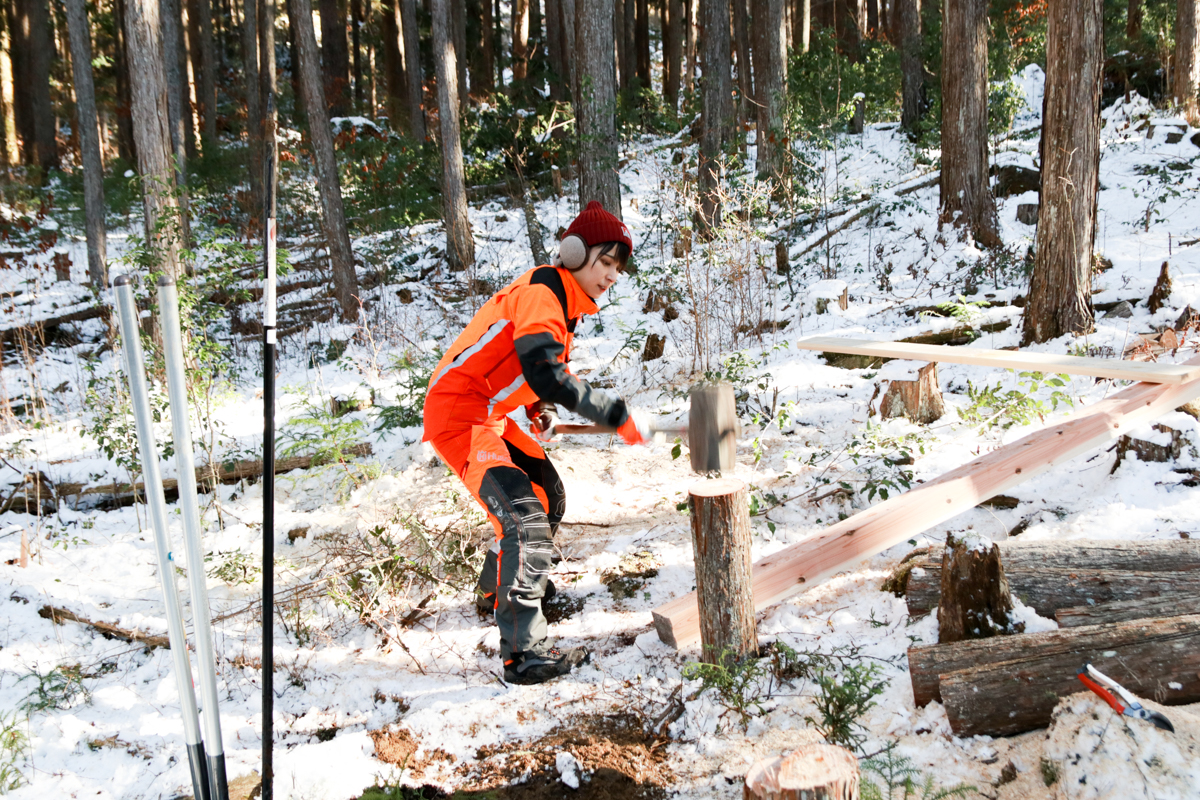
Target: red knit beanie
[(596, 226)]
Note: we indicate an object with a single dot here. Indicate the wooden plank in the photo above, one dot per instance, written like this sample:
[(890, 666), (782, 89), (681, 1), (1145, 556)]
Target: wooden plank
[(1047, 576), (1165, 605), (1011, 684), (1149, 372), (843, 545)]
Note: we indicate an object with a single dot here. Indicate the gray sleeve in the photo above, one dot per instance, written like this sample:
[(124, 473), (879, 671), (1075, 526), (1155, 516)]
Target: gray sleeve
[(552, 381)]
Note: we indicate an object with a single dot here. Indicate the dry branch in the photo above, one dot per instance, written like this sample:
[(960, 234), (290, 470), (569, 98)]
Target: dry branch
[(107, 630)]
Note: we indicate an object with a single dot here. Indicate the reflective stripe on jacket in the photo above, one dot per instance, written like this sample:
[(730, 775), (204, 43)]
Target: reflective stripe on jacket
[(513, 353)]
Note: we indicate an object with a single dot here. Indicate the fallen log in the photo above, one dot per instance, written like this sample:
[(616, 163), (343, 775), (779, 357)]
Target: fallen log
[(227, 472), (109, 631), (840, 546), (1032, 569), (1010, 684), (1165, 605)]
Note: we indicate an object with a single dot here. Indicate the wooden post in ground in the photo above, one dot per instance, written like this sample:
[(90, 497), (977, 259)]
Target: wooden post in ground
[(813, 771), (720, 514)]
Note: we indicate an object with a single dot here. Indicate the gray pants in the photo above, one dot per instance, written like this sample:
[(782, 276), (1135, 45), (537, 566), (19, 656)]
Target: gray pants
[(519, 571)]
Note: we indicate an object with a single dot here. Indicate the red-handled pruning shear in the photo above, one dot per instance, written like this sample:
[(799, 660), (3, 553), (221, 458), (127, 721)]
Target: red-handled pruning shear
[(1126, 704)]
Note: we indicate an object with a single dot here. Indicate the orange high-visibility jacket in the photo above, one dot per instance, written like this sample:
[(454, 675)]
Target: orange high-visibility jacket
[(513, 353)]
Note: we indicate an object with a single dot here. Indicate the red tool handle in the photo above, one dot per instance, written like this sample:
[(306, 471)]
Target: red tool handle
[(1104, 693)]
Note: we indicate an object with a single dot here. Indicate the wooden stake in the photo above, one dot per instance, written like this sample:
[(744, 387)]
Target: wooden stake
[(720, 514), (24, 549), (784, 573), (813, 772)]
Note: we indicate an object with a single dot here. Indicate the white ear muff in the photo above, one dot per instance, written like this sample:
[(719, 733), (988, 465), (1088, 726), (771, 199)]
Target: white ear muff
[(572, 252)]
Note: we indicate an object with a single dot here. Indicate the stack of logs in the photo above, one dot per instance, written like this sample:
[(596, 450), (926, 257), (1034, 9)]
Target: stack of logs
[(1129, 607)]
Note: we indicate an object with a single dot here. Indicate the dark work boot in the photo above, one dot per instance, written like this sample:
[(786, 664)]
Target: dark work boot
[(543, 663)]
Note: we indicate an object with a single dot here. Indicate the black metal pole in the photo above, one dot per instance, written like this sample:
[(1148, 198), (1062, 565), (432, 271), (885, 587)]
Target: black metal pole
[(268, 523)]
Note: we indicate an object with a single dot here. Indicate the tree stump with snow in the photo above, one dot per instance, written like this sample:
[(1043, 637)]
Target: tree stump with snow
[(1162, 289), (919, 399), (720, 512), (975, 601), (1165, 444), (813, 772)]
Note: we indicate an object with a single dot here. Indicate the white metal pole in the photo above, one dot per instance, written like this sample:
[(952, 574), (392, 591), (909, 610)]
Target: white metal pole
[(189, 507), (139, 396)]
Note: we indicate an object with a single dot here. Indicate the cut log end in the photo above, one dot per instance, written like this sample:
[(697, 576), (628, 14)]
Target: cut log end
[(812, 771)]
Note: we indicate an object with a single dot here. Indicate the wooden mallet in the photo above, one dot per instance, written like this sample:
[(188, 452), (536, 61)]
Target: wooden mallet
[(711, 432)]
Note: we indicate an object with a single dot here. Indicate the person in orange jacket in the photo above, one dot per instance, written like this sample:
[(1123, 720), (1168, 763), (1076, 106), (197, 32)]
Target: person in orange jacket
[(514, 353)]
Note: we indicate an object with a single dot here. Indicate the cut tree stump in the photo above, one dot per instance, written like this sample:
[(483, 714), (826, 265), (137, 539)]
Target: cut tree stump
[(919, 400), (1162, 289), (1048, 576), (1148, 653), (720, 513), (975, 599), (1027, 213), (1167, 605), (1011, 684), (813, 772), (1149, 451)]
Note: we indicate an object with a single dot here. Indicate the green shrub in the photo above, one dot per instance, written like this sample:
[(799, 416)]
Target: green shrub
[(842, 698)]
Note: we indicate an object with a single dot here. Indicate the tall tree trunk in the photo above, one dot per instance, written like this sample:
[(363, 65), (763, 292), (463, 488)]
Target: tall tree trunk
[(801, 25), (126, 146), (393, 68), (966, 198), (672, 54), (41, 52), (151, 120), (520, 45), (18, 25), (568, 54), (180, 110), (486, 83), (1133, 22), (912, 71), (596, 105), (207, 84), (356, 24), (89, 142), (628, 48), (1187, 58), (691, 45), (770, 66), (554, 52), (335, 56), (458, 32), (8, 128), (254, 132), (846, 24), (1060, 289), (872, 18), (746, 74), (718, 109), (333, 218), (179, 78), (642, 43), (410, 30), (460, 244), (823, 12)]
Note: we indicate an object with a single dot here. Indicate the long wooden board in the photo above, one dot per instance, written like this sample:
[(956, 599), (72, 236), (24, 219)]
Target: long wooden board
[(1149, 372), (841, 546)]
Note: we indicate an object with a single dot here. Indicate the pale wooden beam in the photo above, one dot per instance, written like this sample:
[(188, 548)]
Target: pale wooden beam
[(842, 546), (1149, 372)]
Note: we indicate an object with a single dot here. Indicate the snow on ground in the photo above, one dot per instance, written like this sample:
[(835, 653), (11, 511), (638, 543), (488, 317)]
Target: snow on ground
[(433, 686)]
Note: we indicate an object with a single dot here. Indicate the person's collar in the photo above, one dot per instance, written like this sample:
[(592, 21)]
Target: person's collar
[(578, 301)]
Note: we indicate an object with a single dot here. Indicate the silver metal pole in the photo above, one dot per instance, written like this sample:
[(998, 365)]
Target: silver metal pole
[(139, 395), (189, 507)]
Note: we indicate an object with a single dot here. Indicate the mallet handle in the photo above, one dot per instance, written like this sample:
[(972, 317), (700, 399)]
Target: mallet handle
[(571, 429)]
